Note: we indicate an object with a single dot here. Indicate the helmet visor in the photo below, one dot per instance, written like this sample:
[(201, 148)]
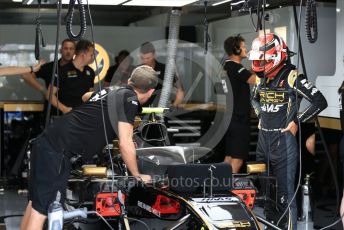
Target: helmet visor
[(260, 63), (259, 55)]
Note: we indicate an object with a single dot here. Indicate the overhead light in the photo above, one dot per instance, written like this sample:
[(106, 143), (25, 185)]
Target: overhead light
[(219, 3), (16, 0), (237, 3), (176, 3), (90, 2), (97, 2)]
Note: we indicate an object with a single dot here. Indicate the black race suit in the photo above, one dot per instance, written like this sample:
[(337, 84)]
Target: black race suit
[(276, 102)]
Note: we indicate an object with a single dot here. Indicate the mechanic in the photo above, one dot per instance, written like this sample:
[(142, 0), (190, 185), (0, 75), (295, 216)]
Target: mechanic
[(75, 79), (237, 137), (67, 52), (148, 57), (276, 98), (81, 132), (119, 73)]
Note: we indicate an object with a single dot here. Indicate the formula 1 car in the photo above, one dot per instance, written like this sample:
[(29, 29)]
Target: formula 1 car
[(195, 196), (185, 193)]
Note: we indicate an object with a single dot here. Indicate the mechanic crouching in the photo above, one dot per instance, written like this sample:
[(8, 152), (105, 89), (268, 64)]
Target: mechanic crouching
[(276, 99)]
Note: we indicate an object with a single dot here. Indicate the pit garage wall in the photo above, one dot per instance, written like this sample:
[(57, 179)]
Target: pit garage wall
[(329, 83), (112, 38)]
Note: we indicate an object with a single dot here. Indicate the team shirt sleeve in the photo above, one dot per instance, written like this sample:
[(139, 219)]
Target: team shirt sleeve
[(131, 108), (240, 72)]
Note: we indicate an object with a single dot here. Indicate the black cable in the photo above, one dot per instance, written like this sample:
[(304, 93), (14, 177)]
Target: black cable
[(55, 66), (300, 50), (105, 221), (102, 105), (264, 58), (259, 25), (140, 221), (206, 33), (316, 119), (311, 21), (69, 20), (298, 121), (39, 34)]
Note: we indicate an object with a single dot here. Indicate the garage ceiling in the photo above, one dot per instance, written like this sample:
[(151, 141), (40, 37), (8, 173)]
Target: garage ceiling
[(17, 13)]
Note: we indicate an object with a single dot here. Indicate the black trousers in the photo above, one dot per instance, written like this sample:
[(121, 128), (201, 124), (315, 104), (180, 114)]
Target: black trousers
[(279, 152)]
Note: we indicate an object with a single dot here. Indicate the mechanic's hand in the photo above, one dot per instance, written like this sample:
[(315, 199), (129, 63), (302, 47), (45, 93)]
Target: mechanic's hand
[(67, 110), (36, 67), (145, 178), (292, 128)]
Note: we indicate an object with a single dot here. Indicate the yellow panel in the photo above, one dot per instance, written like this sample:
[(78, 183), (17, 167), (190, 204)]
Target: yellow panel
[(94, 171), (23, 107), (256, 168), (330, 123)]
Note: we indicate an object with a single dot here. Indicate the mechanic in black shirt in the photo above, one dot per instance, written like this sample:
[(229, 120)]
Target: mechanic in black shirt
[(75, 79), (119, 73), (237, 137), (81, 131), (148, 57), (67, 52)]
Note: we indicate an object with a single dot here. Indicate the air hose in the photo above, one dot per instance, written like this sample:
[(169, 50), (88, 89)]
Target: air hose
[(55, 65), (39, 34), (311, 21), (171, 56), (69, 20), (206, 35)]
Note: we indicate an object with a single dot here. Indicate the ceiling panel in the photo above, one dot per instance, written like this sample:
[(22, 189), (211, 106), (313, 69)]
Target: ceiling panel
[(17, 13)]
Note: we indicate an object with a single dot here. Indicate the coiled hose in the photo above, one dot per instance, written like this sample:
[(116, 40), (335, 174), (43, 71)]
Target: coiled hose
[(311, 21), (39, 34), (69, 20)]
